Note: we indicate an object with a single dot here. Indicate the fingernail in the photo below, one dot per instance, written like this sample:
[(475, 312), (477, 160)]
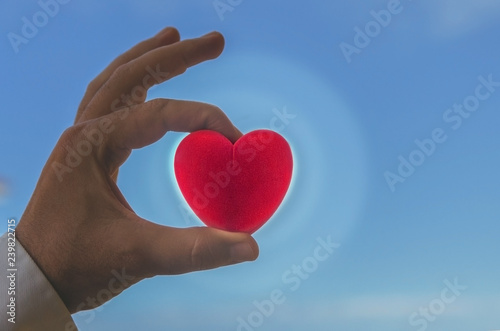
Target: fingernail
[(163, 32), (213, 33), (242, 252), (167, 35)]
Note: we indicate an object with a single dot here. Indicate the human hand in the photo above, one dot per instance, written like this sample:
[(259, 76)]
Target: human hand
[(78, 227)]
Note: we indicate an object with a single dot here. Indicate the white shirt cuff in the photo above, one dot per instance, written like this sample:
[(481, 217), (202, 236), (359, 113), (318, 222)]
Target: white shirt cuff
[(37, 304)]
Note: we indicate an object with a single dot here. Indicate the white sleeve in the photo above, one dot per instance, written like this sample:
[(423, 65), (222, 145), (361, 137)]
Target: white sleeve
[(27, 297)]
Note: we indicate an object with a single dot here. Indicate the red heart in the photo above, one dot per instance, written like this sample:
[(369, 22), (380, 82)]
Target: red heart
[(234, 187)]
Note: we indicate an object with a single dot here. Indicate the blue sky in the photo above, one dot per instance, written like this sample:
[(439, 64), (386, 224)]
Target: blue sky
[(398, 250)]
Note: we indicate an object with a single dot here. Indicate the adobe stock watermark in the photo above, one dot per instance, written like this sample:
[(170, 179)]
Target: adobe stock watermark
[(436, 307), (247, 151), (117, 284), (372, 29), (224, 6), (454, 117), (93, 135), (292, 278), (278, 123), (31, 26)]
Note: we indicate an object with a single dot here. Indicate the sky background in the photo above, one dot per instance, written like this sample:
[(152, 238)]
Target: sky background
[(353, 120)]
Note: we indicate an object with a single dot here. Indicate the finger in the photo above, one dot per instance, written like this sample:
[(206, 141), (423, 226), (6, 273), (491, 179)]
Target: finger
[(165, 37), (172, 251), (142, 125), (129, 83)]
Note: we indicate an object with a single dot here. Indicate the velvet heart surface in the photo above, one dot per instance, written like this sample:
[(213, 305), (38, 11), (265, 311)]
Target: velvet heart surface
[(234, 187)]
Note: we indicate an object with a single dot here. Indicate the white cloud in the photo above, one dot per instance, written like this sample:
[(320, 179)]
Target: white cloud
[(454, 18), (386, 307), (377, 311)]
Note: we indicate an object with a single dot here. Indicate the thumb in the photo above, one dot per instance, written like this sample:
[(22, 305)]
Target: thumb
[(173, 251)]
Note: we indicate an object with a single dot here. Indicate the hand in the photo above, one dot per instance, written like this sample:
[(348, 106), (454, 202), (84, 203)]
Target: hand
[(78, 227)]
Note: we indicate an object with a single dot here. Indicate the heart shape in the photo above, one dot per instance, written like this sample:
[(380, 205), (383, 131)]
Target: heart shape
[(234, 187)]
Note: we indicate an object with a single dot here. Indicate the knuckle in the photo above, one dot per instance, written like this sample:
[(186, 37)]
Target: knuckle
[(70, 134), (67, 140), (94, 85), (212, 116), (196, 255), (121, 71), (201, 254), (158, 103), (75, 137)]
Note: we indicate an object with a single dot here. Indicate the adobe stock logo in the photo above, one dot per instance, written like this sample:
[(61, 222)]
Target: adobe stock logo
[(31, 26), (294, 278), (246, 151), (364, 36), (437, 307), (454, 117), (223, 6), (88, 308)]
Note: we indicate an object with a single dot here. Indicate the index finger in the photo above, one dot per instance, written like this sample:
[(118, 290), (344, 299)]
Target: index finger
[(143, 124)]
